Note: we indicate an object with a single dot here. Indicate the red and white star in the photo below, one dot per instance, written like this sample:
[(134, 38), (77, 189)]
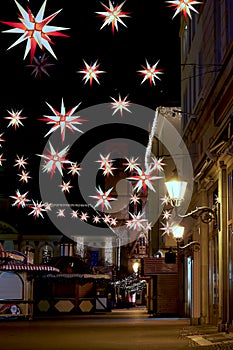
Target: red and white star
[(37, 209), (184, 6), (144, 179), (74, 168), (65, 186), (55, 159), (20, 162), (35, 30), (103, 198), (150, 73), (120, 105), (63, 120), (20, 199), (91, 72), (24, 176), (15, 119), (137, 222), (113, 15)]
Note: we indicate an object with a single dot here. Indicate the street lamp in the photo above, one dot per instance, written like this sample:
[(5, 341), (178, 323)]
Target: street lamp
[(136, 267), (176, 190), (178, 233)]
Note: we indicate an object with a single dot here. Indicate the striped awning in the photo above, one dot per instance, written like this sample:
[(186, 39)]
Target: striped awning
[(25, 267)]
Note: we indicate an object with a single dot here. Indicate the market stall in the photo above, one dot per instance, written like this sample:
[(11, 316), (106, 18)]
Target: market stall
[(16, 284)]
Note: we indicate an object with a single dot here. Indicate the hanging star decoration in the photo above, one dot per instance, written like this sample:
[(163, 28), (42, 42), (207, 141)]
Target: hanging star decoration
[(131, 164), (40, 66), (106, 164), (91, 72), (136, 222), (74, 169), (74, 214), (144, 179), (184, 6), (150, 73), (1, 159), (84, 216), (35, 30), (65, 186), (107, 219), (157, 164), (15, 119), (113, 222), (63, 120), (103, 198), (1, 139), (61, 213), (166, 214), (20, 162), (20, 199), (24, 176), (96, 219), (134, 199), (37, 209), (113, 15), (165, 200), (120, 105), (55, 159), (167, 228)]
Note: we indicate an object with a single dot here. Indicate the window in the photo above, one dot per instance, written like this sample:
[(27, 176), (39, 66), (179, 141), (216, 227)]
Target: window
[(229, 21), (200, 72), (46, 253), (94, 258), (218, 31), (185, 43)]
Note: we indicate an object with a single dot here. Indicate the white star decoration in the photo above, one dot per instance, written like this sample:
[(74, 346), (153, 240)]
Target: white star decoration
[(74, 168), (113, 15), (63, 120), (20, 199), (184, 6), (150, 73), (37, 209), (120, 105), (103, 198), (137, 222), (35, 30), (91, 72), (20, 162), (143, 179), (55, 159), (15, 119)]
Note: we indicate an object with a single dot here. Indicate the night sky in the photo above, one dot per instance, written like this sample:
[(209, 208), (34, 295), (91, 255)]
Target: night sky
[(151, 34)]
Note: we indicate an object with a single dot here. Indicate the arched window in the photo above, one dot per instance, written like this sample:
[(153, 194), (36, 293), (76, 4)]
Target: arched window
[(46, 253)]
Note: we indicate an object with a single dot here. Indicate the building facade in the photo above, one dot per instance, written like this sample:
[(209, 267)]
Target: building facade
[(207, 129)]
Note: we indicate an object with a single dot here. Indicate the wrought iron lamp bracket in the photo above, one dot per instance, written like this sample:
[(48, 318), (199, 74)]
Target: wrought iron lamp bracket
[(206, 215)]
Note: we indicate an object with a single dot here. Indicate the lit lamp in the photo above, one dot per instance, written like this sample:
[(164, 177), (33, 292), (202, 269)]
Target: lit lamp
[(136, 267), (178, 233), (176, 190)]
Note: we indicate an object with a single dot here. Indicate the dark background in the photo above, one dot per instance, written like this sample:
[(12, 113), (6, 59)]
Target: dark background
[(151, 34)]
